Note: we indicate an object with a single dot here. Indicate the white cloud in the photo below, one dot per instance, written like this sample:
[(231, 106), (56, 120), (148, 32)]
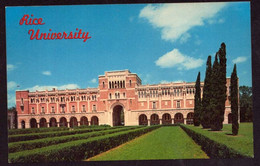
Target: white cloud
[(11, 85), (49, 87), (93, 81), (10, 67), (175, 20), (47, 73), (239, 59), (176, 59)]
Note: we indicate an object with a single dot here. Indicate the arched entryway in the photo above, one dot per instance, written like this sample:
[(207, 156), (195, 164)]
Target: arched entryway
[(190, 118), (23, 124), (43, 122), (178, 118), (229, 118), (84, 121), (155, 119), (166, 119), (73, 122), (53, 122), (143, 120), (33, 123), (118, 116), (63, 122), (94, 120)]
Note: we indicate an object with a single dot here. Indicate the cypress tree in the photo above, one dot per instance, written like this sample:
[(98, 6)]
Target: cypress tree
[(222, 85), (197, 102), (207, 94), (215, 109), (234, 101)]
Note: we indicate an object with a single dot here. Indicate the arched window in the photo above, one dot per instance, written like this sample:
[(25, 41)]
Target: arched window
[(109, 85), (103, 85), (130, 83)]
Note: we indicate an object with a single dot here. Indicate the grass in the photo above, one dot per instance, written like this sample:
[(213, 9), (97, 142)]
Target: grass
[(163, 143), (243, 142)]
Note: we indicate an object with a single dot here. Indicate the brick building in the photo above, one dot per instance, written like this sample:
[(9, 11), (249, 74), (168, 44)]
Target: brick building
[(119, 99)]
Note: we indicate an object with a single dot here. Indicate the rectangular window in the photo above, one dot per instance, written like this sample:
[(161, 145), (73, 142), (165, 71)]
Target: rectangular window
[(73, 108), (154, 105), (32, 110), (178, 104), (62, 109), (42, 109), (94, 108), (83, 108), (52, 109)]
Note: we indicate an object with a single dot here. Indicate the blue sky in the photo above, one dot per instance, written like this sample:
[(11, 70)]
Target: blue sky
[(160, 42)]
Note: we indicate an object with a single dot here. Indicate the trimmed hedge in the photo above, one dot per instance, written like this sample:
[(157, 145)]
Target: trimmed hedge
[(212, 148), (32, 136), (78, 150), (49, 129), (39, 143), (35, 130)]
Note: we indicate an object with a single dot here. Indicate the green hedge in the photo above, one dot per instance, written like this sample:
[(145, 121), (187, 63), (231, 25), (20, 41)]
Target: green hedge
[(49, 129), (35, 130), (212, 148), (78, 150), (32, 136), (39, 143)]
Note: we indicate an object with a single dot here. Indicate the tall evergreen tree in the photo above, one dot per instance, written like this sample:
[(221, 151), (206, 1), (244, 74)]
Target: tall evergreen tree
[(222, 85), (197, 102), (207, 94), (215, 109), (234, 101)]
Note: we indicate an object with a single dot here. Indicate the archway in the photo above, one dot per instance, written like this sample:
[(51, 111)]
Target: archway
[(33, 123), (166, 119), (143, 120), (73, 122), (53, 122), (155, 119), (63, 122), (118, 116), (43, 122), (23, 124), (190, 118), (229, 118), (83, 121), (94, 120), (178, 118)]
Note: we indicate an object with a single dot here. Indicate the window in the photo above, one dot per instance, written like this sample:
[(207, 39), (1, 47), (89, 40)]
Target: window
[(62, 109), (52, 109), (130, 83), (73, 108), (118, 95), (83, 108), (178, 104), (110, 95), (21, 100), (154, 105), (94, 108), (103, 85), (42, 109), (124, 95), (32, 110)]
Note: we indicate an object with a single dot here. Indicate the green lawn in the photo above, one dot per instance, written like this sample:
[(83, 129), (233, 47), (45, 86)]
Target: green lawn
[(163, 143), (243, 142)]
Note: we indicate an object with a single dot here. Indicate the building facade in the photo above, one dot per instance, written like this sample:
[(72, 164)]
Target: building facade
[(119, 99)]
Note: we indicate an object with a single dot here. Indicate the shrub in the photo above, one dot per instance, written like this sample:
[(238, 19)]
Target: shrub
[(39, 143), (212, 148), (35, 130), (78, 150), (32, 136)]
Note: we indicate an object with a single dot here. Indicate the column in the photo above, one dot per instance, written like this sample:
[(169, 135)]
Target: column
[(160, 121), (48, 124), (77, 106), (38, 125), (47, 106), (58, 124), (37, 109), (172, 120), (185, 120), (149, 122)]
